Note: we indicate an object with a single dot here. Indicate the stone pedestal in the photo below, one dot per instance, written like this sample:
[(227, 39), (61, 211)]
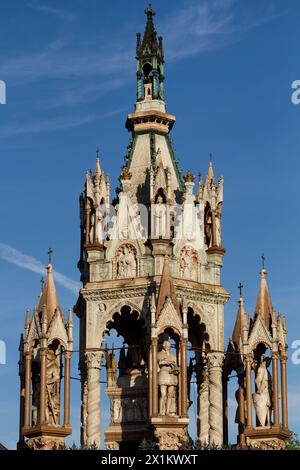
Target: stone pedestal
[(266, 437), (170, 432), (45, 437)]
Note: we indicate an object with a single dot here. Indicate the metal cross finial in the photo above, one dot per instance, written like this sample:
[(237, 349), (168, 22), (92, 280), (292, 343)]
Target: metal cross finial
[(97, 152), (263, 258), (50, 251), (210, 157), (42, 283), (240, 287)]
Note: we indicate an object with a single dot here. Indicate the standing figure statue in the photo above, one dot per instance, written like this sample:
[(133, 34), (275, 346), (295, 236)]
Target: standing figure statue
[(167, 380), (160, 218), (53, 386), (262, 396)]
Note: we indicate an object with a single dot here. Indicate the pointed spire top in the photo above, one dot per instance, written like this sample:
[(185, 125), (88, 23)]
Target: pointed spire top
[(264, 305), (97, 170), (241, 319), (166, 288), (149, 11), (210, 175), (149, 38), (49, 299)]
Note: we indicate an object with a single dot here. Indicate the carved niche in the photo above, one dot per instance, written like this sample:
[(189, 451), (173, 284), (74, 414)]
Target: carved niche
[(188, 263), (126, 262)]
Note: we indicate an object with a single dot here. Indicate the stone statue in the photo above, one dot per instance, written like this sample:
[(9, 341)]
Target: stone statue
[(167, 380), (188, 263), (262, 396), (111, 368), (53, 378), (97, 218), (160, 218), (92, 229), (35, 397), (218, 224), (208, 226), (117, 411), (126, 263)]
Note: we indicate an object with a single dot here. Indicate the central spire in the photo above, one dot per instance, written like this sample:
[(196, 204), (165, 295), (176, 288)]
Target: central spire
[(150, 61)]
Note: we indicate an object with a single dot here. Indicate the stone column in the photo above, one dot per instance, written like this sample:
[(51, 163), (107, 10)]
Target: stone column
[(43, 390), (150, 369), (241, 416), (225, 409), (154, 378), (203, 408), (83, 378), (27, 388), (88, 221), (215, 361), (93, 364), (249, 391), (183, 376), (284, 392), (275, 388), (67, 389)]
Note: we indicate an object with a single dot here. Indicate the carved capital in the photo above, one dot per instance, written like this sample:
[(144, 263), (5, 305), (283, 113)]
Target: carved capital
[(170, 439), (215, 360), (93, 359)]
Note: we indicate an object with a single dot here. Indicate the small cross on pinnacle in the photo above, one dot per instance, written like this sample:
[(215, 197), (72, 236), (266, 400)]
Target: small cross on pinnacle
[(50, 251), (210, 157), (240, 287), (263, 259), (97, 152)]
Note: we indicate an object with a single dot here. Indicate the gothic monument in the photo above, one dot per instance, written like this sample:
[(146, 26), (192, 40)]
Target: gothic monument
[(150, 264)]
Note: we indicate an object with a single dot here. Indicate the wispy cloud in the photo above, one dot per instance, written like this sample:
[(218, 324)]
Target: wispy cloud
[(83, 93), (194, 29), (207, 25), (13, 256), (58, 12), (55, 124)]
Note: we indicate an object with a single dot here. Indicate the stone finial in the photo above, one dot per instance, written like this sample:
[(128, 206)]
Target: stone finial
[(125, 174), (189, 177)]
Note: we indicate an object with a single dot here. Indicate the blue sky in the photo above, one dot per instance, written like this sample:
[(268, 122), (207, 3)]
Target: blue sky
[(69, 69)]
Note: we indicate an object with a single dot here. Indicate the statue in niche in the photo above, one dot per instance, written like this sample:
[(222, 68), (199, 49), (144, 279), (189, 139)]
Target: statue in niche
[(97, 234), (117, 411), (262, 396), (160, 219), (241, 382), (218, 224), (111, 368), (208, 226), (126, 262), (167, 380), (188, 263), (36, 378), (35, 396), (53, 378)]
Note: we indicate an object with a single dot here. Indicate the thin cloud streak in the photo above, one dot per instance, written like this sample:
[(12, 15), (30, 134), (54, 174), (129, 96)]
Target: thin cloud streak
[(188, 31), (58, 12), (13, 256), (53, 124)]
